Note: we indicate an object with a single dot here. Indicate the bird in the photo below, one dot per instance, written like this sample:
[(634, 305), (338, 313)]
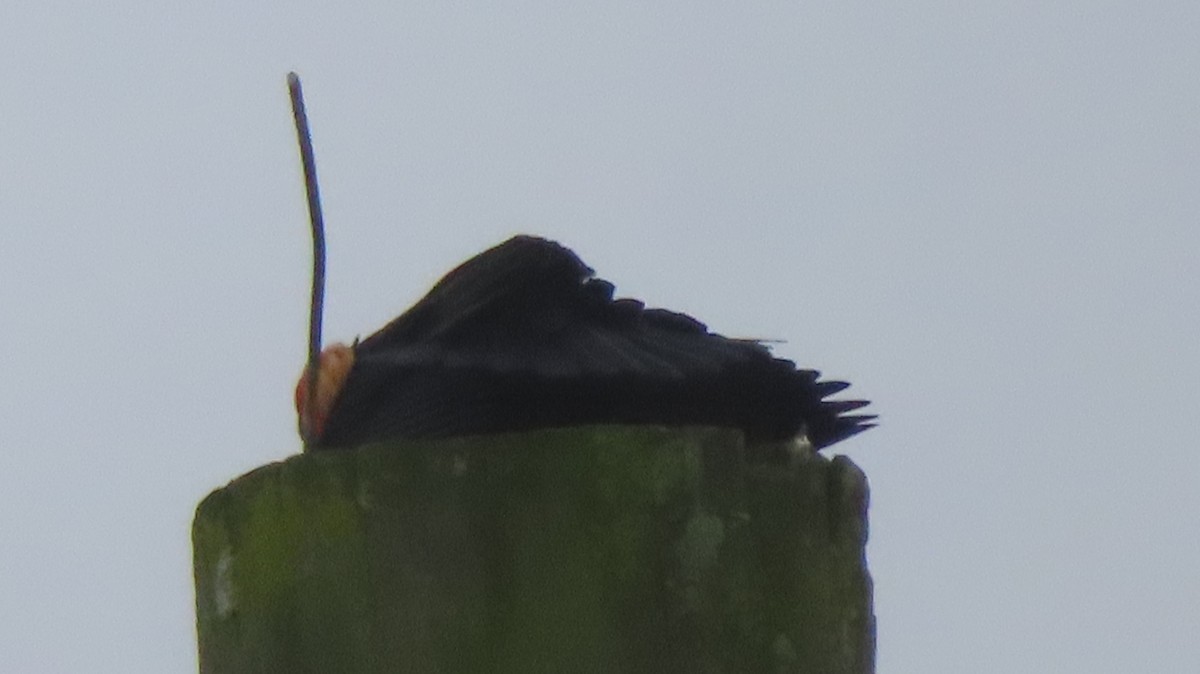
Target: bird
[(524, 336)]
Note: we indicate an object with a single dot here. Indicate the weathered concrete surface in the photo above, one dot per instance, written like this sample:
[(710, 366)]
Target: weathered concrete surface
[(598, 549)]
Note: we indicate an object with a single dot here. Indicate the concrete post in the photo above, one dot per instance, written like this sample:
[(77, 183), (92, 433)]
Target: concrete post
[(597, 549)]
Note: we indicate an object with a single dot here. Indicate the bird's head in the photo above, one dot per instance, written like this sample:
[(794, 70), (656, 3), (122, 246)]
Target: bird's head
[(332, 369)]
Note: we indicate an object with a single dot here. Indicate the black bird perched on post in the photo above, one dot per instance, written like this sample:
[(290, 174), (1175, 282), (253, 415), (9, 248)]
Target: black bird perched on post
[(523, 336)]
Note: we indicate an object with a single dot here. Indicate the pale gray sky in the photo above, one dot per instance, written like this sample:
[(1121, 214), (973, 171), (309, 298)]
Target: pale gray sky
[(985, 215)]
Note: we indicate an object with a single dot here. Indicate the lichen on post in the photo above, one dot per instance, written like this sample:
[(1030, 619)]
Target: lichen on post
[(592, 549)]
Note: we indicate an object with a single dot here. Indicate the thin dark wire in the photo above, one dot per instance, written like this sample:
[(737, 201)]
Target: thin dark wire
[(318, 238)]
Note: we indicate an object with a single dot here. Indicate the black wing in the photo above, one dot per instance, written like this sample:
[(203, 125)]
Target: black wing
[(523, 337)]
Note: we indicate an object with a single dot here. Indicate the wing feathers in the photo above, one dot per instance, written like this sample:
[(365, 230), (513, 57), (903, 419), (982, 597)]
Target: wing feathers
[(522, 336)]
